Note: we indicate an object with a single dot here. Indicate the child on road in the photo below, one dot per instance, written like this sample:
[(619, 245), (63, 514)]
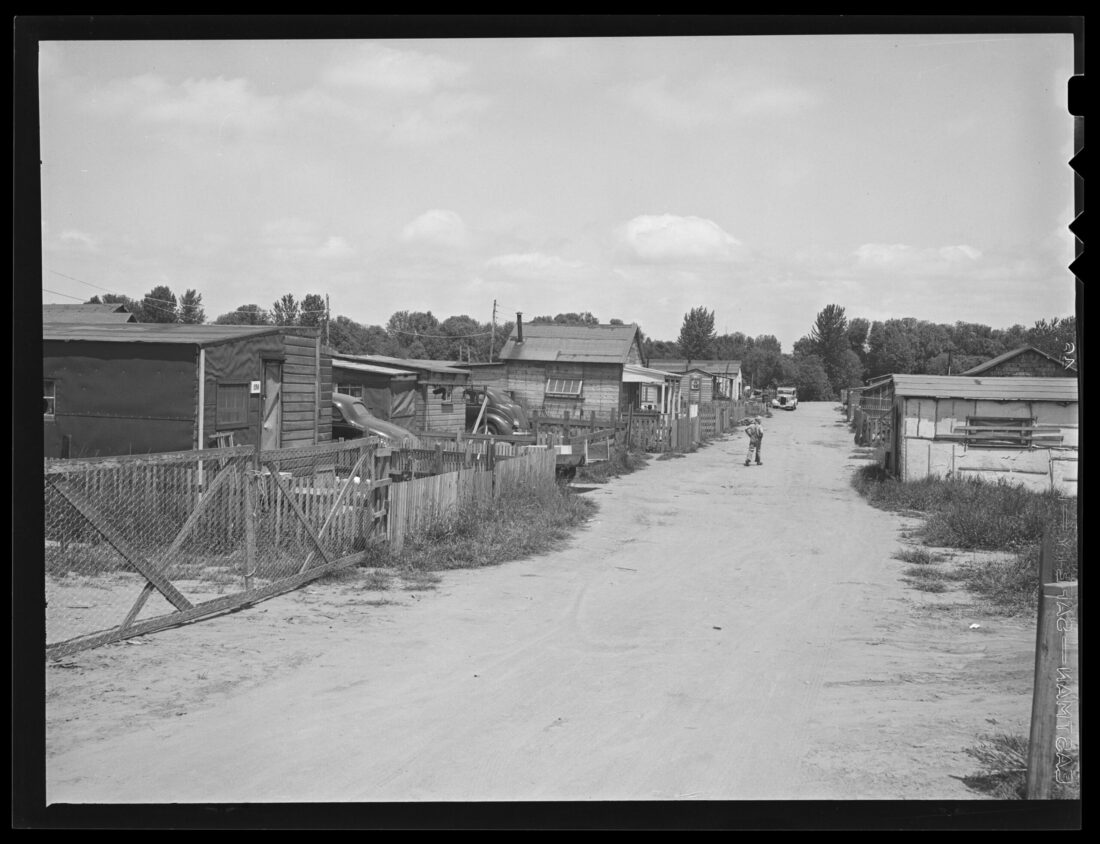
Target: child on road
[(755, 433)]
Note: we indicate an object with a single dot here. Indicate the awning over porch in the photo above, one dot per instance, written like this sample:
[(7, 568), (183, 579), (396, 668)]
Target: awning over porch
[(634, 374)]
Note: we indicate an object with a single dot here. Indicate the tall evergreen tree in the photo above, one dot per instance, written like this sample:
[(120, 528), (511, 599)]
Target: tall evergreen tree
[(190, 308), (697, 335)]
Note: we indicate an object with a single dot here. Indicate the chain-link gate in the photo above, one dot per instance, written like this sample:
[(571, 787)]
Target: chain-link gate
[(136, 544)]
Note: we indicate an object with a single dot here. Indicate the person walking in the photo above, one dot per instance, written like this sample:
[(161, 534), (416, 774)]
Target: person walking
[(755, 433)]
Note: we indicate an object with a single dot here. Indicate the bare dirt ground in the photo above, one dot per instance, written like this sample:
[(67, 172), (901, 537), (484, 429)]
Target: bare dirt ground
[(716, 632)]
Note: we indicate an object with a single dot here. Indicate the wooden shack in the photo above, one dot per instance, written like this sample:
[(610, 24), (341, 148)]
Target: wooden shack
[(139, 388), (554, 369), (1022, 430), (424, 396), (704, 381), (92, 313)]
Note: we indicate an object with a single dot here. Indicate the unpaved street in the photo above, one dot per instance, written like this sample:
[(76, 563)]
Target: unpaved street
[(715, 633)]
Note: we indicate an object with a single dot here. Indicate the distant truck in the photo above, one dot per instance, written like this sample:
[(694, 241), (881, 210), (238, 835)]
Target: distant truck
[(786, 398)]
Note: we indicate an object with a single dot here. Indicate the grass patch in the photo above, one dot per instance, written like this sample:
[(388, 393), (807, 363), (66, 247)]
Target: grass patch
[(918, 556), (527, 522), (621, 462), (978, 515), (671, 455), (1003, 769), (376, 580)]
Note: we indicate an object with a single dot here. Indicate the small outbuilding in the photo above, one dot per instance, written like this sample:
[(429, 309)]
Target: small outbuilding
[(1023, 430), (704, 381), (152, 387), (424, 396)]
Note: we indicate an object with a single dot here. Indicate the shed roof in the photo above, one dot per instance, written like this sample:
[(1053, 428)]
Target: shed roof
[(727, 368), (413, 364), (159, 332), (111, 313), (992, 362), (572, 343), (374, 369), (990, 389)]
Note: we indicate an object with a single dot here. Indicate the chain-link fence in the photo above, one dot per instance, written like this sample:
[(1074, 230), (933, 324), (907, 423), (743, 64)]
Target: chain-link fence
[(134, 544)]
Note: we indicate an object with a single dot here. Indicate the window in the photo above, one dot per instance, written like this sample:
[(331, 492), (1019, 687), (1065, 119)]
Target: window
[(232, 406), (695, 383), (993, 432), (569, 388), (49, 399), (354, 390)]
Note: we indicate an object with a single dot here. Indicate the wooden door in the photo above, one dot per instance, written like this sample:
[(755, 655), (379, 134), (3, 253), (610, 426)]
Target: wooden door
[(271, 425)]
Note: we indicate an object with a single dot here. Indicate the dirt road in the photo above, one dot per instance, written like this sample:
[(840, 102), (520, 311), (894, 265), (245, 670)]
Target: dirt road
[(716, 632)]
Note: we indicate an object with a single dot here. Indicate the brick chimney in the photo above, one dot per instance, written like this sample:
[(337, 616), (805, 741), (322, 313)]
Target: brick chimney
[(519, 327)]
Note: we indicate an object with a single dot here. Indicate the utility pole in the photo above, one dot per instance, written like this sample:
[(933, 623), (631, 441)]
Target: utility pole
[(327, 318), (493, 341)]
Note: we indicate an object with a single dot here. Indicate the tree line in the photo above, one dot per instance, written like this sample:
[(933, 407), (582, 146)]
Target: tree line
[(839, 352)]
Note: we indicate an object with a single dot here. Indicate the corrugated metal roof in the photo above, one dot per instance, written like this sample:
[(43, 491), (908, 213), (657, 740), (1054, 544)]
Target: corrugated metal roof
[(415, 364), (157, 332), (991, 389), (992, 362), (375, 369), (86, 314), (572, 343)]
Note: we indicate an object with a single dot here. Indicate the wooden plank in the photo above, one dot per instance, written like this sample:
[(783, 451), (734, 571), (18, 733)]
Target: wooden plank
[(202, 507), (333, 507), (131, 555), (226, 603)]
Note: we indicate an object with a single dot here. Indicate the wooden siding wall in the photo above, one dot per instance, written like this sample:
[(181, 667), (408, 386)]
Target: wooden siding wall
[(601, 393), (925, 451), (304, 419), (436, 415)]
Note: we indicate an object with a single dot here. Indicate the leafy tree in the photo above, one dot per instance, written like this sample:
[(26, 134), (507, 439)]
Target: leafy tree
[(891, 351), (697, 335), (464, 335), (829, 339), (812, 380), (159, 305), (286, 310), (418, 334), (1056, 337), (313, 311), (858, 329), (660, 349), (190, 308), (245, 315)]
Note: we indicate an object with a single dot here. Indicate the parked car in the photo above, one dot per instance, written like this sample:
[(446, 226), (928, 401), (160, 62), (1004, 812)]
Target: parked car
[(351, 420), (786, 398), (503, 415)]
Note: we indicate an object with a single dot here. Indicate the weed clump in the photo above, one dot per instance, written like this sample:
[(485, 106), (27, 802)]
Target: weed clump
[(1003, 769), (520, 523)]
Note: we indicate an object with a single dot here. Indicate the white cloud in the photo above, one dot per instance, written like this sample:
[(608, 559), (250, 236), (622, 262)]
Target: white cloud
[(717, 98), (438, 227), (667, 238), (534, 266), (900, 257), (293, 238), (194, 102), (81, 240), (402, 72)]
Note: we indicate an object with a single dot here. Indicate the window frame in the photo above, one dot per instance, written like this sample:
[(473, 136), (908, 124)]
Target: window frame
[(219, 423), (1022, 440), (562, 381), (350, 390), (49, 410)]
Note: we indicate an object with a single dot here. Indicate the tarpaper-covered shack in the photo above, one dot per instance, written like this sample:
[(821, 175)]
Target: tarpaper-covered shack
[(151, 387), (1023, 430)]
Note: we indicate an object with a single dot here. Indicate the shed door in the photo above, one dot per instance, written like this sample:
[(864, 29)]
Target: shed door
[(272, 423)]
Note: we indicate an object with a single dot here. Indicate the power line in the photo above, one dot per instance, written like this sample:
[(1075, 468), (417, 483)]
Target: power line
[(66, 295)]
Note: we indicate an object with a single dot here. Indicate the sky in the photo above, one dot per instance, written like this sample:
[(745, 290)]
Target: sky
[(759, 177)]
